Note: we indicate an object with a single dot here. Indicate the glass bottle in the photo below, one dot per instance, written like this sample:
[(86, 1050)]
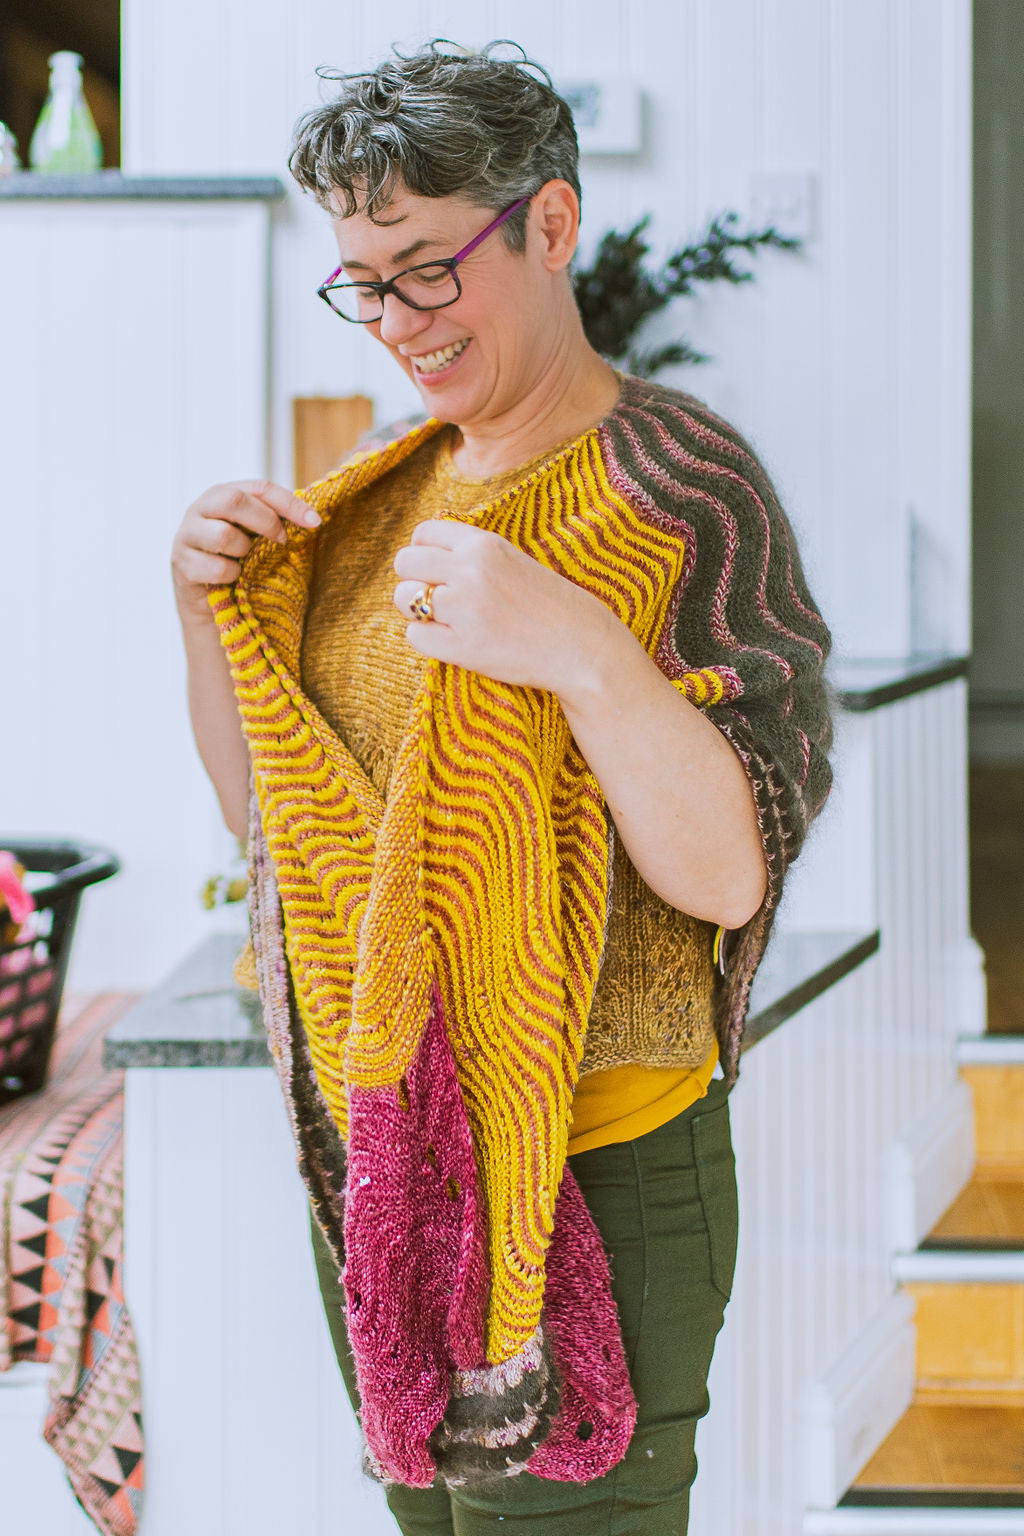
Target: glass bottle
[(65, 140)]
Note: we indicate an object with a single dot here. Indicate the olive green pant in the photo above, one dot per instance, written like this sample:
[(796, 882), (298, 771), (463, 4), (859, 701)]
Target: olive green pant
[(665, 1205)]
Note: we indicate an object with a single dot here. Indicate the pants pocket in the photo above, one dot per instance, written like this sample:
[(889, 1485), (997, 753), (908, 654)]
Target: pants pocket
[(716, 1181)]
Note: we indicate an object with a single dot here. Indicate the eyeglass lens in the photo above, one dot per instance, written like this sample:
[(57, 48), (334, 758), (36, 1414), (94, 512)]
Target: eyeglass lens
[(428, 287)]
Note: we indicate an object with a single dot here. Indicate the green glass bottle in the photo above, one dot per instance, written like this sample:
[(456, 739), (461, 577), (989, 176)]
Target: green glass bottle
[(65, 140)]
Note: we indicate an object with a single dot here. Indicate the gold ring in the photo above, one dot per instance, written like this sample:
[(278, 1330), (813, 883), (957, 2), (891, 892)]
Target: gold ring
[(422, 606)]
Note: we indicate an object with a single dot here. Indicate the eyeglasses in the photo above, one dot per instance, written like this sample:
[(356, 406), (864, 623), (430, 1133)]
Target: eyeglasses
[(434, 285)]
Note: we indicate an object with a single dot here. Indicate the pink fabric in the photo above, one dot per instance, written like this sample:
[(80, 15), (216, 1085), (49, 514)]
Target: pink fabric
[(580, 1312), (416, 1279), (18, 899), (416, 1282)]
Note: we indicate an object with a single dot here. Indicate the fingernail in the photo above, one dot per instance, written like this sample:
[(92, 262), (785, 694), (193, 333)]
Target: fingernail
[(313, 518)]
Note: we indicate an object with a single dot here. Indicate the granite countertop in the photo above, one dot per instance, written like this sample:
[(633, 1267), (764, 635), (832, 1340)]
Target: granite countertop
[(864, 684), (197, 1017), (112, 184), (200, 1017)]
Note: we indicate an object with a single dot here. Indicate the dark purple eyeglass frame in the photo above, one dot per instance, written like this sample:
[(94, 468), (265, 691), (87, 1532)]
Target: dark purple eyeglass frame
[(451, 262)]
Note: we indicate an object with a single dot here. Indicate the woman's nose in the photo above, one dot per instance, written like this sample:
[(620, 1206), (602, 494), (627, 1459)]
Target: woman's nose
[(399, 323)]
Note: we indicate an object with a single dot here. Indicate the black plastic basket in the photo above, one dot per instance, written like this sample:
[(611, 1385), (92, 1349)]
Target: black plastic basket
[(34, 964)]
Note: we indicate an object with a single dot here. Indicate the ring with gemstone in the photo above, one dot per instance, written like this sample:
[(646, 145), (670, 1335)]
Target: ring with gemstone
[(422, 605)]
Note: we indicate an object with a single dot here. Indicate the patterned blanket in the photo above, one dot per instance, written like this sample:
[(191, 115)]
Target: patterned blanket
[(61, 1259)]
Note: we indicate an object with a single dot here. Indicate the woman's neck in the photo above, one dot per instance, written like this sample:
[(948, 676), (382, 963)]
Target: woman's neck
[(569, 398)]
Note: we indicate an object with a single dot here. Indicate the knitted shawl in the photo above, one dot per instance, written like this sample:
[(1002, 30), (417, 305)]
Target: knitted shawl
[(426, 964)]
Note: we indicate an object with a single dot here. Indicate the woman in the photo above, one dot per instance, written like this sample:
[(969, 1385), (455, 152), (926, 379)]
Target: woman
[(532, 714)]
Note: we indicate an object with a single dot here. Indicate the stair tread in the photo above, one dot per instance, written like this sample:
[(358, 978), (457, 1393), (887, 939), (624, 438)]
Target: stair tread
[(988, 1211), (964, 1448)]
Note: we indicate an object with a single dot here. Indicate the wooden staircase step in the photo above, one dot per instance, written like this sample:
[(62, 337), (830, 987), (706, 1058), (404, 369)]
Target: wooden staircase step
[(995, 1076), (956, 1453), (988, 1212)]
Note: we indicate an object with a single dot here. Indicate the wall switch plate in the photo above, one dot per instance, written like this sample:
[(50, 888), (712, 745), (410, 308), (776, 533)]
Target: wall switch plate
[(786, 199)]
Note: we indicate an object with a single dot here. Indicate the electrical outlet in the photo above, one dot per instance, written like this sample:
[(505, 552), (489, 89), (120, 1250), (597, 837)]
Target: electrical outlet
[(786, 199)]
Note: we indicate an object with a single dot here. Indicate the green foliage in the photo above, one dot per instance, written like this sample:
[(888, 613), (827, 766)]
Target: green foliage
[(618, 293), (220, 890)]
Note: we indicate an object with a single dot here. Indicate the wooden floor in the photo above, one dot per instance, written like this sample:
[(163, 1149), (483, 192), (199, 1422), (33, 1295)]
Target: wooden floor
[(962, 1440)]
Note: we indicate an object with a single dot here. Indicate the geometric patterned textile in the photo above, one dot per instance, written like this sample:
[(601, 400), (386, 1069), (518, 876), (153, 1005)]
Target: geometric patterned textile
[(61, 1263)]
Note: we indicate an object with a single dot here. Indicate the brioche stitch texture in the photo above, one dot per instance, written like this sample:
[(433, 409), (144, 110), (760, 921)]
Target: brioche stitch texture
[(462, 923), (653, 1000)]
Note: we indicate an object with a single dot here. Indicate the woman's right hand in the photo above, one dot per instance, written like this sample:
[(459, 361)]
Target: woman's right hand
[(217, 531)]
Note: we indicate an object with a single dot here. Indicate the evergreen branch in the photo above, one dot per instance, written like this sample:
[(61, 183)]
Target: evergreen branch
[(618, 293), (646, 364)]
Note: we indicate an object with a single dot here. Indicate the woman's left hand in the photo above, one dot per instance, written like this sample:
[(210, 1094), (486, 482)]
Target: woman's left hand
[(498, 611)]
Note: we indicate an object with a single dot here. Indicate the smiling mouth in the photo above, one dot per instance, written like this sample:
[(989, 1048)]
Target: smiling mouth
[(433, 362)]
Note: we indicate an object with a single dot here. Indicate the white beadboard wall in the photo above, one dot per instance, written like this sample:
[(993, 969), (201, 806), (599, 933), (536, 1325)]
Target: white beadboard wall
[(848, 365), (134, 377), (820, 1111)]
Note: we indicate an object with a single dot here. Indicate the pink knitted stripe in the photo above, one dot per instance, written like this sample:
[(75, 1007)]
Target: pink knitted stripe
[(415, 1273), (598, 1410), (718, 623), (416, 1283), (724, 445)]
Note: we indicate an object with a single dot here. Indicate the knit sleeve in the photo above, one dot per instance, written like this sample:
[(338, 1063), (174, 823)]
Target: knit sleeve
[(747, 644)]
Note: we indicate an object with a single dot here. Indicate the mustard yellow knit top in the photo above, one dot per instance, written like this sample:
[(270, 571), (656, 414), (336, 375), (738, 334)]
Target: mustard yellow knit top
[(650, 1047)]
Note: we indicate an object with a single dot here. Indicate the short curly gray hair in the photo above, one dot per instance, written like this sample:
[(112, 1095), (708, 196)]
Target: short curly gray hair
[(443, 123)]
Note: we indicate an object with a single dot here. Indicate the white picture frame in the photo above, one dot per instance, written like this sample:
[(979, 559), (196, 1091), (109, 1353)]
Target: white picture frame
[(608, 114)]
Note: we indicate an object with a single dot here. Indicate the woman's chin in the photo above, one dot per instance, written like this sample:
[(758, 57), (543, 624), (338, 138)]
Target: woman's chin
[(453, 400)]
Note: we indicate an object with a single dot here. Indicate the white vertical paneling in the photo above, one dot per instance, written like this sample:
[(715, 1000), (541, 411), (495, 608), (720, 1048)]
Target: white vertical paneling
[(792, 425), (141, 379), (239, 1381), (857, 205), (817, 1113), (848, 366)]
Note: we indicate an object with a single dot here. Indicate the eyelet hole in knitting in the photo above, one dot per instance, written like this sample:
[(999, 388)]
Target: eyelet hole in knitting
[(431, 1156), (452, 1189), (404, 1101), (584, 1430)]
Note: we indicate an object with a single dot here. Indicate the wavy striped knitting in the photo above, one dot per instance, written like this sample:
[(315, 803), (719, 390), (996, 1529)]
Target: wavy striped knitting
[(481, 886)]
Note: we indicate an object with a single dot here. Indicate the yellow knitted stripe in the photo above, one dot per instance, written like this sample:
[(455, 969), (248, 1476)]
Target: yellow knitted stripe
[(487, 872), (704, 687), (578, 526), (320, 838)]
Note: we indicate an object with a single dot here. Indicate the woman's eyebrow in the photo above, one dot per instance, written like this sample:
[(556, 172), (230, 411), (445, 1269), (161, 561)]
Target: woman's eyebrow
[(398, 257)]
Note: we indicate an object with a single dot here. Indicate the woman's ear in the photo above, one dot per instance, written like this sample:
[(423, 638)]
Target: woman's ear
[(555, 219)]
